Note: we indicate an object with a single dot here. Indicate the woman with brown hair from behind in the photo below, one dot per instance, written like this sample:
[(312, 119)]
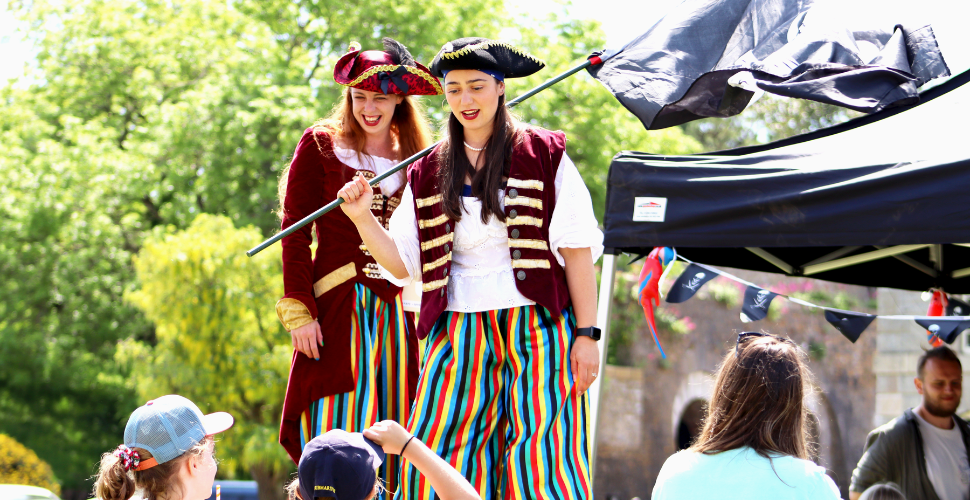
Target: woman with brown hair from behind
[(167, 453), (754, 442)]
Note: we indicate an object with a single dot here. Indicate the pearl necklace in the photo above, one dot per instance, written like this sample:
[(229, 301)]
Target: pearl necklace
[(473, 149)]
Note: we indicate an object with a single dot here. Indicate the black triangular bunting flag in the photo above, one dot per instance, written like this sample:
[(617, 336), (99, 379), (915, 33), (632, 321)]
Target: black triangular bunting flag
[(946, 329), (848, 323), (756, 303), (689, 282), (956, 307)]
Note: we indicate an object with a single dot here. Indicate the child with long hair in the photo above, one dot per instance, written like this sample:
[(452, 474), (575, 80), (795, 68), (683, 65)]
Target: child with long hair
[(754, 442), (355, 351), (167, 453), (498, 226)]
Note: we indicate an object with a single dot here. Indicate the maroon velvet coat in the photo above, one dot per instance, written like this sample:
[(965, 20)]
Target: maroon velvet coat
[(314, 178), (530, 197)]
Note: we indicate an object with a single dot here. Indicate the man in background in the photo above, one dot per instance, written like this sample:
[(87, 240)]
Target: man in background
[(924, 451)]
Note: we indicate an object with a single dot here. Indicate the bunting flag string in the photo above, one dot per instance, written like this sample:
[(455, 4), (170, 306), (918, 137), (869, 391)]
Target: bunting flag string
[(851, 324)]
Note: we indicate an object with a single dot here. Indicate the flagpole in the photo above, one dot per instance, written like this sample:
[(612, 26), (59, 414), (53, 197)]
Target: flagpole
[(592, 61)]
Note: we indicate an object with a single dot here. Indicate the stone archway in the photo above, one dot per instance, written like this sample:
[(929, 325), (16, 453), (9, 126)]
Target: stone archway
[(691, 423), (694, 392)]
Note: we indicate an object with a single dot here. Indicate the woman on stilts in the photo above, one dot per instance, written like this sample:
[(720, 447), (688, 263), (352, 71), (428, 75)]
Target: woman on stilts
[(355, 359), (498, 226)]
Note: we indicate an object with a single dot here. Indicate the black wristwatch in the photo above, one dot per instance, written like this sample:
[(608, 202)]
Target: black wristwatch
[(590, 331)]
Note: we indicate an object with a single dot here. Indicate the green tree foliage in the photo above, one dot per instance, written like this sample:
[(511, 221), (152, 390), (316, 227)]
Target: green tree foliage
[(768, 119), (20, 465), (68, 230), (143, 114), (218, 341)]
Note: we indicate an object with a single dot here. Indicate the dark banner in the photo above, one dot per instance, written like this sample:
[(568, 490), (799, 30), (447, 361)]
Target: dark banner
[(946, 329), (756, 303), (849, 323), (689, 282)]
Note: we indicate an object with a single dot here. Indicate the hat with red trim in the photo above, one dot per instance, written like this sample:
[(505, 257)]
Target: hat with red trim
[(482, 54), (389, 71)]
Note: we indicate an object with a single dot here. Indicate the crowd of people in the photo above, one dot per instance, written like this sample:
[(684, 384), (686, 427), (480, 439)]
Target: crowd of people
[(498, 227)]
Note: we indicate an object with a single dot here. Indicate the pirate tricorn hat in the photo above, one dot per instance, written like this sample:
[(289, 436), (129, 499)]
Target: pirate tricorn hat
[(484, 54), (389, 71)]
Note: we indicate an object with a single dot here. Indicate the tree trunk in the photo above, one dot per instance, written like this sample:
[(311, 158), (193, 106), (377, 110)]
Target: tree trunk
[(269, 482)]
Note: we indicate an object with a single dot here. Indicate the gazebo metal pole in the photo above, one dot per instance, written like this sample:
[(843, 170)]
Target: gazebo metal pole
[(604, 306)]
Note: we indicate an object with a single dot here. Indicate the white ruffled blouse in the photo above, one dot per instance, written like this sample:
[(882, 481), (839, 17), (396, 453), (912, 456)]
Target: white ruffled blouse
[(374, 164), (481, 276)]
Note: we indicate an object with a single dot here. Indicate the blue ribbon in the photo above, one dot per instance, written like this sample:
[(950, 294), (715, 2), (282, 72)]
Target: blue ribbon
[(395, 76)]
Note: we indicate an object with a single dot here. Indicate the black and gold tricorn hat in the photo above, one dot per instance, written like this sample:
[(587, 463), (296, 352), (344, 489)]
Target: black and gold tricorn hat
[(485, 55)]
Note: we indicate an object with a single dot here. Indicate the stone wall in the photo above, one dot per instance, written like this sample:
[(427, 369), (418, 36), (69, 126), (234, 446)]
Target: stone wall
[(642, 405)]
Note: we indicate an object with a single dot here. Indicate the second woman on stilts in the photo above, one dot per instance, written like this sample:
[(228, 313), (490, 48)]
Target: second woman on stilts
[(498, 226)]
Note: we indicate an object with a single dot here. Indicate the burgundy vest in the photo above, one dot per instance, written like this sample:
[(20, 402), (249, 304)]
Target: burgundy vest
[(530, 197)]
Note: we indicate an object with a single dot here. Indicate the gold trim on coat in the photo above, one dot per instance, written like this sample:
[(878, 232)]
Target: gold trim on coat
[(338, 276)]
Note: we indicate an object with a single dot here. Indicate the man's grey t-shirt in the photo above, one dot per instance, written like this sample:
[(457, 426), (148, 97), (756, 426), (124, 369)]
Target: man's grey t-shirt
[(946, 460)]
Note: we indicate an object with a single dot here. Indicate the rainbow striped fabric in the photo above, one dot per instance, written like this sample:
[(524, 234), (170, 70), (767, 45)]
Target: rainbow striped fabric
[(496, 400), (378, 338)]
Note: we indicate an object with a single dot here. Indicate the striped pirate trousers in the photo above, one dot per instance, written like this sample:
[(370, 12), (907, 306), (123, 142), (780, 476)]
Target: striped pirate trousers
[(496, 400), (378, 339)]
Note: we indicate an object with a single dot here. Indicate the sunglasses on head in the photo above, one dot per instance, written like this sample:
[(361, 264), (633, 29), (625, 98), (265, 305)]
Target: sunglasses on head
[(743, 336)]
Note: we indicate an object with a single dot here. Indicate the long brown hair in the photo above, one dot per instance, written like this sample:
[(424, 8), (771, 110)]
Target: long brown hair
[(409, 128), (758, 401), (453, 164), (115, 483)]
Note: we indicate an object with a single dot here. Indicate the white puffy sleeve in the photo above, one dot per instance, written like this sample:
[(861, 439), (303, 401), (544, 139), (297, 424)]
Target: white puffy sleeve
[(573, 223), (404, 231)]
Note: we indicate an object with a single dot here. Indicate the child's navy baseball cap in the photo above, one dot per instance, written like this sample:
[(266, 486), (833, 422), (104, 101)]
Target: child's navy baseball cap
[(339, 464)]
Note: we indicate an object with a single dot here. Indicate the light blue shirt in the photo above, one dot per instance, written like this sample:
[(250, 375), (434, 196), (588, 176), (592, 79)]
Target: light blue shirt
[(741, 474)]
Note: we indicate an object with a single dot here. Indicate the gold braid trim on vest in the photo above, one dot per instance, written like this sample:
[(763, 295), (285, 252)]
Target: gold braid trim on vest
[(437, 242), (534, 244), (436, 264), (530, 264), (433, 285), (425, 202), (524, 200), (525, 184), (437, 221), (523, 220)]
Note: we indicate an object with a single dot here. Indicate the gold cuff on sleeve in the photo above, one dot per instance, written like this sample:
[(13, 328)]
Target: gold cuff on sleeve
[(293, 314)]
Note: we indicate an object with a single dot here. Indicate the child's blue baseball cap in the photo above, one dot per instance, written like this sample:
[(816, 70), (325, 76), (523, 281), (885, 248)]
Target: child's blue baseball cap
[(169, 426)]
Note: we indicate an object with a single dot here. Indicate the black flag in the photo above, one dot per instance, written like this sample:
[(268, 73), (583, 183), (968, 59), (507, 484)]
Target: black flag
[(756, 302), (706, 58), (956, 307), (689, 282), (848, 323), (946, 329)]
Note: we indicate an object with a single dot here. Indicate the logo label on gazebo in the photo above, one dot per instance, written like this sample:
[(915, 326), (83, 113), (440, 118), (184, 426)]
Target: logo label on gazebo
[(649, 209)]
